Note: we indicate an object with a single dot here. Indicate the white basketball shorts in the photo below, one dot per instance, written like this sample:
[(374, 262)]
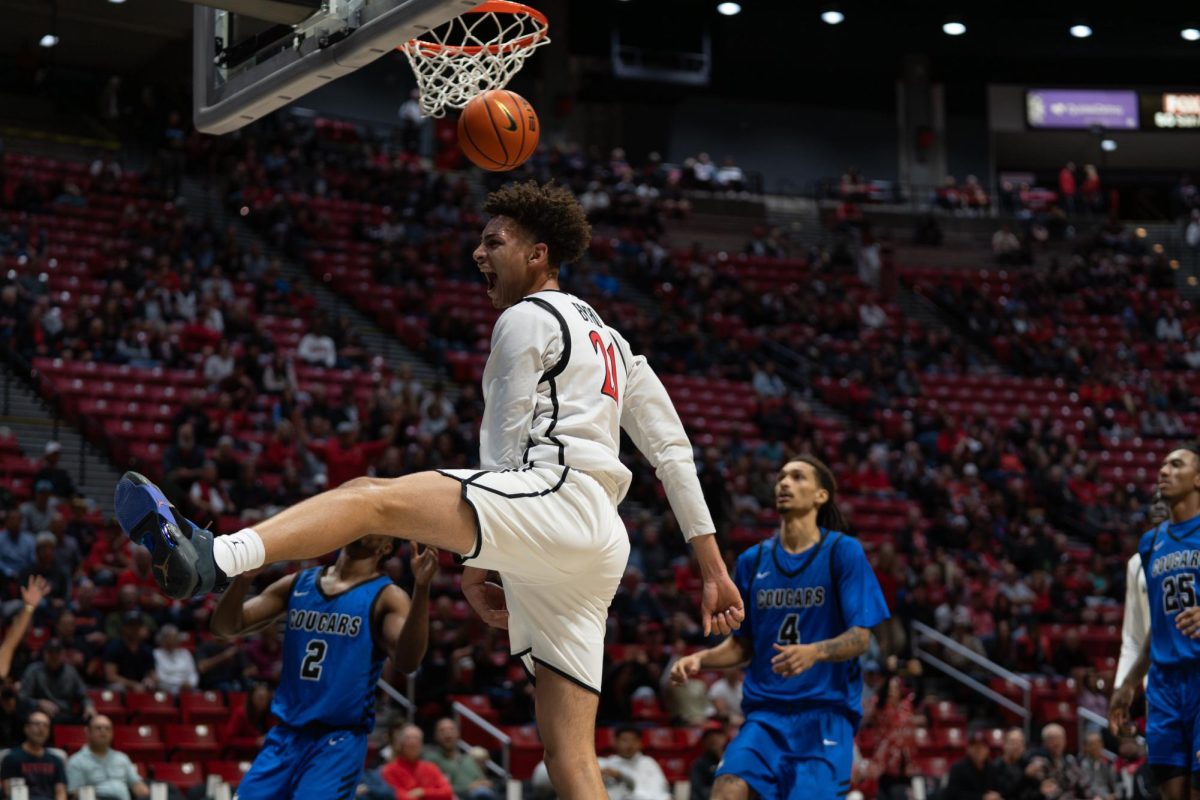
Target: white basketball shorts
[(554, 535)]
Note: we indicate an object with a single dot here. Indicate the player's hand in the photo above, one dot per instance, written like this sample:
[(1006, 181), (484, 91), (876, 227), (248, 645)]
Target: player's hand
[(37, 588), (1118, 710), (487, 599), (685, 669), (721, 608), (793, 659), (1188, 622), (424, 564)]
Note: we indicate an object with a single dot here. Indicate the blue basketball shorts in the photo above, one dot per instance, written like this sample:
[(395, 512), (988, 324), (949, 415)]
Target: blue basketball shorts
[(1173, 717), (306, 764), (807, 755)]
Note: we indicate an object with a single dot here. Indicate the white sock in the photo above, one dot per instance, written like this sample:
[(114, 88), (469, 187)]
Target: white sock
[(239, 552)]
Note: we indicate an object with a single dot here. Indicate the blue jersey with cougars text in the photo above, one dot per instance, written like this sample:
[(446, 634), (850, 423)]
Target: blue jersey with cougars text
[(804, 598), (1171, 558), (330, 659)]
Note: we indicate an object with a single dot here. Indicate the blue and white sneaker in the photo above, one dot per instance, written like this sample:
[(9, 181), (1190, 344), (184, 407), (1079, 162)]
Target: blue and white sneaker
[(181, 552)]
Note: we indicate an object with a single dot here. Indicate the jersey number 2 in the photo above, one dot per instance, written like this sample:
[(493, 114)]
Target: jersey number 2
[(609, 356), (1179, 592), (314, 654), (787, 631)]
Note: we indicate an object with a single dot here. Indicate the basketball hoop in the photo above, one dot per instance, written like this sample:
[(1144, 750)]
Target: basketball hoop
[(473, 53)]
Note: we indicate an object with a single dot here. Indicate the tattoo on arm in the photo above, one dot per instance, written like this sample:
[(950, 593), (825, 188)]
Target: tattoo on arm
[(851, 644)]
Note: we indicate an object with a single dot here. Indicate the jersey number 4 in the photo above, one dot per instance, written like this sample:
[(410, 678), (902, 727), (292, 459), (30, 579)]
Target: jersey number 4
[(788, 634), (1179, 592), (314, 655), (609, 356)]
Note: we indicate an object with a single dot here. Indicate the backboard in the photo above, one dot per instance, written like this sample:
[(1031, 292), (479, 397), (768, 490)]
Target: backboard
[(244, 68)]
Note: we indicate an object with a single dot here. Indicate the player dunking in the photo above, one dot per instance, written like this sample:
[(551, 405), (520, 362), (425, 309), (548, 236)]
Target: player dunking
[(812, 600), (1170, 556), (342, 622), (558, 388)]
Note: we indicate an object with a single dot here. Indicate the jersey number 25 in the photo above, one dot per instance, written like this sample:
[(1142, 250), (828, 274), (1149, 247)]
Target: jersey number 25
[(1179, 592), (609, 357)]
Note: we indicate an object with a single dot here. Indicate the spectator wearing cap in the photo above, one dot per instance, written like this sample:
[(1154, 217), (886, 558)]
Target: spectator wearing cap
[(17, 547), (704, 769), (629, 774), (174, 666), (128, 660), (43, 772), (109, 771), (56, 686), (36, 513), (973, 777), (127, 603), (59, 478)]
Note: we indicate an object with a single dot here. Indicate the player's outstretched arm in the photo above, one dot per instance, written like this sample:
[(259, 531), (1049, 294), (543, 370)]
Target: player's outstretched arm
[(1122, 699), (406, 620), (652, 422), (236, 616), (733, 652), (32, 594)]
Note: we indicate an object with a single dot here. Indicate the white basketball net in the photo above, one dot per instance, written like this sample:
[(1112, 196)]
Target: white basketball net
[(473, 53)]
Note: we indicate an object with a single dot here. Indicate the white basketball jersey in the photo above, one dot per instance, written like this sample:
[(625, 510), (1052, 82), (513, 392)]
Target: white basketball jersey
[(558, 387)]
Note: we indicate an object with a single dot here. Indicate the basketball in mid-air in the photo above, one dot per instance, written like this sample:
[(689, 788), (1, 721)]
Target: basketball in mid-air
[(498, 130)]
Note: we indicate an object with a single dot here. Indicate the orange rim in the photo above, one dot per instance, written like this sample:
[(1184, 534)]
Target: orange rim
[(424, 49)]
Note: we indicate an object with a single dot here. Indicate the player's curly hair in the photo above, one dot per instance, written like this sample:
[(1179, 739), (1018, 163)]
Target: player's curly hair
[(550, 213)]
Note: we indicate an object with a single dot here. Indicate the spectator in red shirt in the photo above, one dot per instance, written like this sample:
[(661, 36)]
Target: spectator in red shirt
[(410, 776), (1093, 199), (345, 457), (265, 655), (140, 576), (248, 725), (111, 554), (1067, 186)]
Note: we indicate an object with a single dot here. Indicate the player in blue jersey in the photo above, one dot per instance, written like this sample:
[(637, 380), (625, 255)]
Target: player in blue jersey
[(1170, 554), (811, 600), (343, 621)]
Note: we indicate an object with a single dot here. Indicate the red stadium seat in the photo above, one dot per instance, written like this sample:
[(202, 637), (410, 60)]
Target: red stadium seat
[(139, 742), (109, 703), (192, 742), (230, 771), (70, 737), (203, 707), (182, 775), (151, 707)]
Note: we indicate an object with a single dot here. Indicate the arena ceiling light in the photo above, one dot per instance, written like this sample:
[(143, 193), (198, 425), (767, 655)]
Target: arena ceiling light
[(729, 9), (832, 16), (116, 2), (1190, 34), (49, 40), (1081, 31), (954, 27), (1108, 145)]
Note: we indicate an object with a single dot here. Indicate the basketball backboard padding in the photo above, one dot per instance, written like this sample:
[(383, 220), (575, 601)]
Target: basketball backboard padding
[(281, 12), (322, 50)]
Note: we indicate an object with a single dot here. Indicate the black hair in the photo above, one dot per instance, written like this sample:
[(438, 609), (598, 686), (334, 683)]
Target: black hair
[(627, 728), (829, 516)]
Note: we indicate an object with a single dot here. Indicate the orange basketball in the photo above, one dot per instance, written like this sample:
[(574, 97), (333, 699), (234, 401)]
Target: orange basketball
[(498, 130)]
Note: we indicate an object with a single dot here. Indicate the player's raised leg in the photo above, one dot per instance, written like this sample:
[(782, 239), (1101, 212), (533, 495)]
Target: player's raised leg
[(566, 716), (425, 507)]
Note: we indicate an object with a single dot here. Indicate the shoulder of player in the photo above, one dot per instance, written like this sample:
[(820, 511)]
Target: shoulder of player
[(843, 545), (392, 598), (532, 312)]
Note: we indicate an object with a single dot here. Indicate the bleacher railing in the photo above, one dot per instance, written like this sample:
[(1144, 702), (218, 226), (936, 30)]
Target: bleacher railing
[(502, 769), (924, 635)]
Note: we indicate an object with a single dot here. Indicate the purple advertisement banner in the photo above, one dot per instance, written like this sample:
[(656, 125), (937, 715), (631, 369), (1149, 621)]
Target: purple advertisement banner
[(1081, 108)]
